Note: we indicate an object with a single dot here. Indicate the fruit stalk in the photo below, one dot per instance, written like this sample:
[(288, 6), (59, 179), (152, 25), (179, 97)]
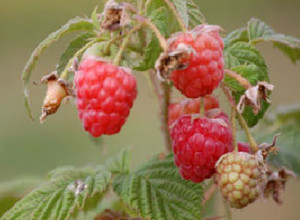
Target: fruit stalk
[(252, 142), (233, 127), (164, 99), (243, 123)]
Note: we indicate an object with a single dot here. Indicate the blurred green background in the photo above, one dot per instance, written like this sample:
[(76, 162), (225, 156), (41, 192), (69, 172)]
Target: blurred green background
[(28, 148)]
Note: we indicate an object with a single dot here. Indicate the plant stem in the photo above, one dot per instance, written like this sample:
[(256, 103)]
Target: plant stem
[(124, 44), (202, 107), (64, 75), (227, 209), (243, 123), (242, 81), (233, 127), (252, 142), (164, 99), (178, 17), (209, 193)]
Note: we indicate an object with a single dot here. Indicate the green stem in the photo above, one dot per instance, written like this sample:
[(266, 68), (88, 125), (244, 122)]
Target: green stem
[(243, 123), (233, 127), (202, 107), (164, 100), (64, 75), (227, 210), (252, 142), (242, 81), (178, 17), (125, 43)]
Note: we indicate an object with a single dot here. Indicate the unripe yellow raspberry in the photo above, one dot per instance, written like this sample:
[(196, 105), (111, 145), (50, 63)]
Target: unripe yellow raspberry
[(238, 176)]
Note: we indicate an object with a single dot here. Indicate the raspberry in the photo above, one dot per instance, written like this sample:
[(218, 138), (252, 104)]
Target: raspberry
[(204, 66), (105, 94), (190, 106), (244, 147), (198, 144), (238, 175)]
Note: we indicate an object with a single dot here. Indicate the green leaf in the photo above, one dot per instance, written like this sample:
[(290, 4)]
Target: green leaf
[(76, 24), (158, 192), (259, 31), (72, 48), (242, 53), (181, 7), (62, 195), (13, 190), (235, 36), (120, 164), (195, 15)]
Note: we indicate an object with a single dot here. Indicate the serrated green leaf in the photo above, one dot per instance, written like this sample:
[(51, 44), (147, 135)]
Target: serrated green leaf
[(195, 15), (62, 195), (242, 53), (13, 190), (158, 192), (72, 48), (120, 164), (259, 31), (240, 34), (76, 24)]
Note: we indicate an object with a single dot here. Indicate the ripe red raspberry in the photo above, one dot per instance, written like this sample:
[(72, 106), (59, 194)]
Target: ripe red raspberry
[(244, 147), (105, 94), (238, 176), (204, 65), (199, 143), (190, 106)]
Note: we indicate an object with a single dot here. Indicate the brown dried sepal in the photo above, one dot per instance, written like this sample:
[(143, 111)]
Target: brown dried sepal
[(115, 16), (254, 95), (109, 214), (57, 90), (169, 61), (276, 184)]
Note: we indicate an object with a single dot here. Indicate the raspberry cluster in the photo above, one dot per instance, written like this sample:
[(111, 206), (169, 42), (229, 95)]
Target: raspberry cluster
[(105, 95), (199, 143), (238, 175)]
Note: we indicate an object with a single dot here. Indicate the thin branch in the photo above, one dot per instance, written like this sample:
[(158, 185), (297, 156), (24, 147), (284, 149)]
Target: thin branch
[(164, 99), (252, 142), (243, 123), (227, 209), (178, 17), (209, 193), (233, 127), (161, 39), (242, 81)]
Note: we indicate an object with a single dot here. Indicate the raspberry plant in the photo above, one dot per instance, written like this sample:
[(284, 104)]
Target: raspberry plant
[(171, 42)]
